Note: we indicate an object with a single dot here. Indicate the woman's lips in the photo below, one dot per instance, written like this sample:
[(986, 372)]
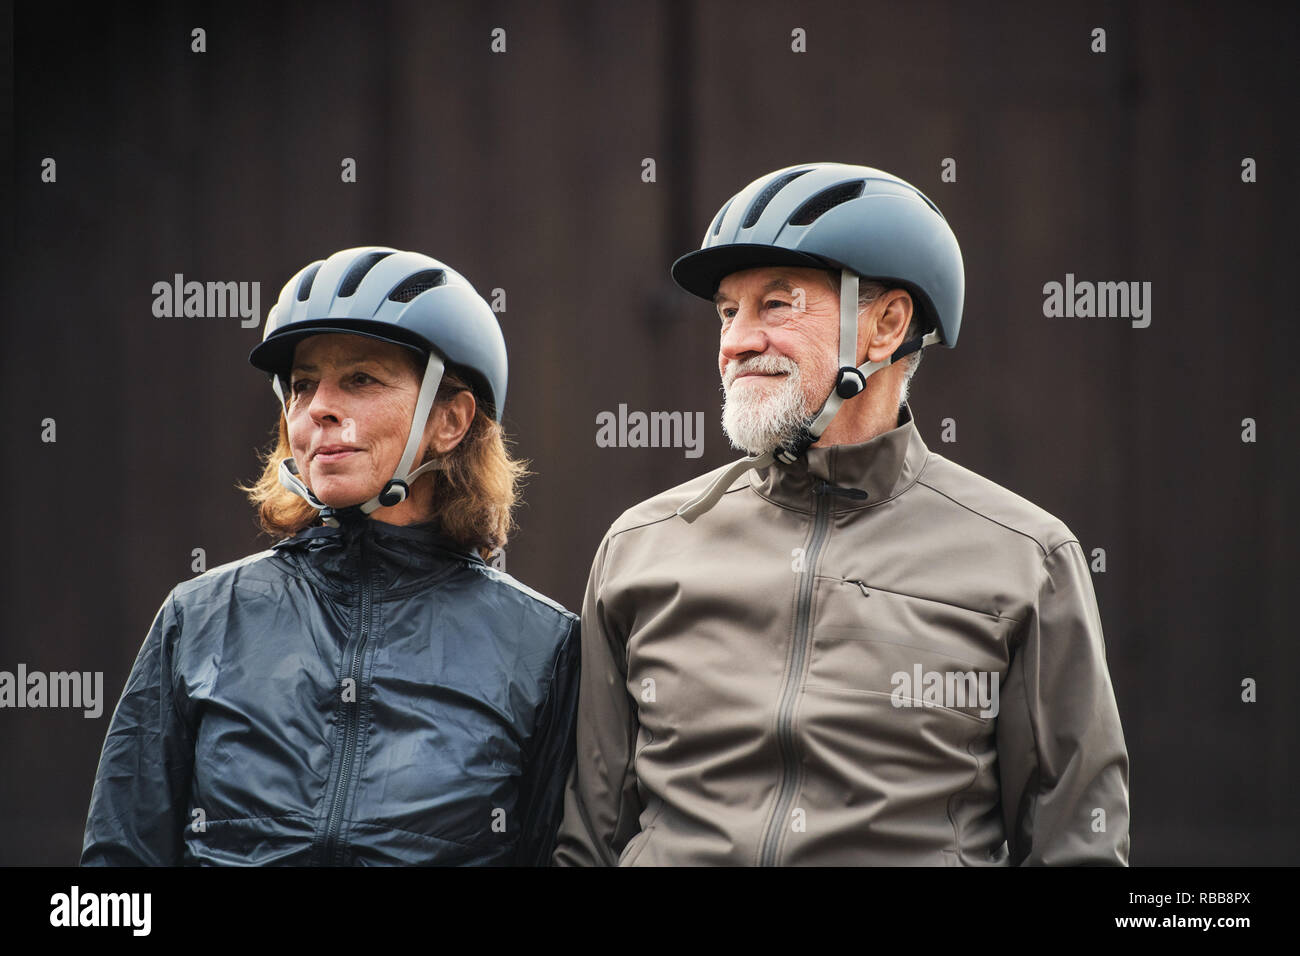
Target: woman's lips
[(325, 457)]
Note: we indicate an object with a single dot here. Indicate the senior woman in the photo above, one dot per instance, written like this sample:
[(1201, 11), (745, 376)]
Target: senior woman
[(368, 690)]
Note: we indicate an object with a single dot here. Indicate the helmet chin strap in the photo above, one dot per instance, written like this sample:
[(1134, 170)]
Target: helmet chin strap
[(850, 381), (398, 488)]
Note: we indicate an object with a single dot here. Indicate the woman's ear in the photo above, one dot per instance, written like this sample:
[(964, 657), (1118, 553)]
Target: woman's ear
[(450, 421)]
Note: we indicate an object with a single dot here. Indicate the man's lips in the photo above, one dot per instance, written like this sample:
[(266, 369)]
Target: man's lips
[(743, 375)]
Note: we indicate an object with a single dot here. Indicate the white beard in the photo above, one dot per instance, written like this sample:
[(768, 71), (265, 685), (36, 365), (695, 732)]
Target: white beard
[(758, 424)]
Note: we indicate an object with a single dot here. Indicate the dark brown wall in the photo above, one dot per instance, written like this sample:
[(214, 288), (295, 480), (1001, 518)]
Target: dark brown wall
[(523, 170)]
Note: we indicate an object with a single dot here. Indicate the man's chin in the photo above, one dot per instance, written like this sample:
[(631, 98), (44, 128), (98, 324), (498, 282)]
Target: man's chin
[(751, 442), (760, 442)]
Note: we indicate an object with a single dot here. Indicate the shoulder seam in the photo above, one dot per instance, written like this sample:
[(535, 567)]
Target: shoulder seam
[(1058, 547), (501, 577), (229, 567), (667, 517), (992, 520)]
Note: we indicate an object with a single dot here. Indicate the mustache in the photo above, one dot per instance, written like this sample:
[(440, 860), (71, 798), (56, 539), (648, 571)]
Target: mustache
[(764, 364)]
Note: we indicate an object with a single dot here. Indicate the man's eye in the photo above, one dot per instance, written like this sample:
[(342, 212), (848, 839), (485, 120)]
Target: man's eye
[(777, 304), (361, 378), (727, 313)]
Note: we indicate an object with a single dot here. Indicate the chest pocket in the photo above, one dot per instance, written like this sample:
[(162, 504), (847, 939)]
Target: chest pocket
[(914, 651)]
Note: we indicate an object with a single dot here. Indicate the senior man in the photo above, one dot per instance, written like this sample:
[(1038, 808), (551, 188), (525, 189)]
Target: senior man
[(844, 648)]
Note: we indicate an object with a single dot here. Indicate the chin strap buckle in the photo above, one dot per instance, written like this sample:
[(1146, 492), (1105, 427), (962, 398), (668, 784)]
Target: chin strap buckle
[(394, 493), (851, 381)]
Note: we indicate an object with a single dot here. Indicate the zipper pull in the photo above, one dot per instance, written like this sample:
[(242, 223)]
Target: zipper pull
[(865, 592), (826, 488)]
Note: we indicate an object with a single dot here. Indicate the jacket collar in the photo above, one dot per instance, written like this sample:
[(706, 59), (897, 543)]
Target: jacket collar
[(401, 557), (883, 468)]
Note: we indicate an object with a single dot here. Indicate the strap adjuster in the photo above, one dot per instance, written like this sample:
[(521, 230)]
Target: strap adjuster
[(791, 453), (851, 381), (394, 493)]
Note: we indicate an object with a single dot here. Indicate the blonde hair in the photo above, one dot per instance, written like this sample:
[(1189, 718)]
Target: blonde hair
[(474, 493)]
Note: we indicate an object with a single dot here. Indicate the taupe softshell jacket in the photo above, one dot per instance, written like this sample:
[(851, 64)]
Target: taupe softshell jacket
[(756, 687)]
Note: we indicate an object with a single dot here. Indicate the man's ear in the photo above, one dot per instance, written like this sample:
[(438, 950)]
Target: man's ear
[(893, 314), (450, 421)]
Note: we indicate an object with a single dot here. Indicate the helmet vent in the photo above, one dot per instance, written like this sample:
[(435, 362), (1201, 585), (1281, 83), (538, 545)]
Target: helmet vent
[(825, 201), (420, 282), (766, 196), (358, 272), (722, 214), (304, 287)]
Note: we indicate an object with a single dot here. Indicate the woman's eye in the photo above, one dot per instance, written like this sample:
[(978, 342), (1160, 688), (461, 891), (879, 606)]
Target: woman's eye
[(297, 387)]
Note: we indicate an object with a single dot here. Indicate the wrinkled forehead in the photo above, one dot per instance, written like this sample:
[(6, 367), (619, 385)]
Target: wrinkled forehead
[(763, 279)]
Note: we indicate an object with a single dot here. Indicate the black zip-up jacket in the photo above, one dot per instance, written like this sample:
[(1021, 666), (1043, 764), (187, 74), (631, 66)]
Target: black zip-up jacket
[(368, 694)]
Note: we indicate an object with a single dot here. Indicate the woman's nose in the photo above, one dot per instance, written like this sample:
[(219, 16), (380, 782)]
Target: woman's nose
[(325, 402)]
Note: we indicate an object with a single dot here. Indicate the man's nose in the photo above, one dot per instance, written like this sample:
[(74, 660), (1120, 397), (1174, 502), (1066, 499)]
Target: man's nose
[(745, 334)]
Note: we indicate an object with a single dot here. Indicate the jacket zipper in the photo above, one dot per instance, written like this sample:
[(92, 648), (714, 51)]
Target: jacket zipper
[(789, 696), (352, 717)]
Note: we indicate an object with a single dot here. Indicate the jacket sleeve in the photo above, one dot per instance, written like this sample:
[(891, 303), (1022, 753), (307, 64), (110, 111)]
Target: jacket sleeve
[(141, 793), (1061, 754), (550, 755), (601, 805)]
